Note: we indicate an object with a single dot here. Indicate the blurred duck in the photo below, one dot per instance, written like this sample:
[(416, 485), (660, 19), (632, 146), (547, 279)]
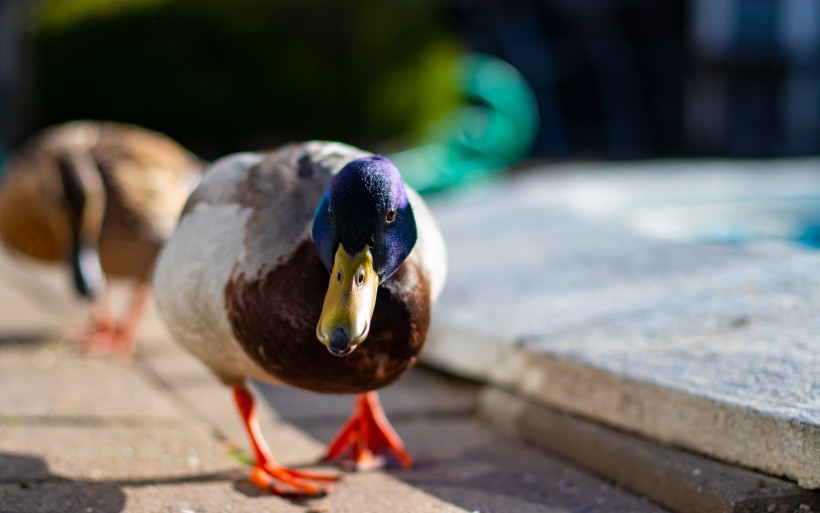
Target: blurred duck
[(314, 266), (102, 197)]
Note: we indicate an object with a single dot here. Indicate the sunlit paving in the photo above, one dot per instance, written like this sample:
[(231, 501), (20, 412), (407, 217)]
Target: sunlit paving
[(534, 256)]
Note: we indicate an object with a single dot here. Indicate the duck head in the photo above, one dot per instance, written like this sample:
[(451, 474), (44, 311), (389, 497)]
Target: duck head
[(363, 230)]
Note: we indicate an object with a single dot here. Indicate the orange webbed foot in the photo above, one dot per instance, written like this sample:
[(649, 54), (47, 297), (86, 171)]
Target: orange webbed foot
[(97, 337), (124, 342), (266, 473), (368, 437), (285, 481), (105, 336)]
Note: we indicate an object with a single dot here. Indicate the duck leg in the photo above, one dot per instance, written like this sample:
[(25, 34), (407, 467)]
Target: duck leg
[(266, 473), (98, 335), (124, 339), (104, 335), (368, 435), (84, 199)]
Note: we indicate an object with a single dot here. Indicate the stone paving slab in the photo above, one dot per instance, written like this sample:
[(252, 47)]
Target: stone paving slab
[(698, 200), (221, 496), (460, 466), (420, 393), (177, 463), (51, 380), (676, 479), (112, 452), (198, 392), (35, 295), (708, 346), (468, 464)]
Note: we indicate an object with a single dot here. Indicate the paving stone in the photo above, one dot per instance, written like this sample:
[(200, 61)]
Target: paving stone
[(704, 200), (420, 392), (420, 406), (110, 452), (678, 480), (203, 497), (478, 469), (173, 366), (216, 491), (55, 382), (707, 346), (39, 300), (362, 493), (200, 393), (365, 493), (36, 298)]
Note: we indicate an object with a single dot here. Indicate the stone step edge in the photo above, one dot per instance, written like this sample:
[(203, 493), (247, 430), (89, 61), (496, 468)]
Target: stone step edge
[(728, 432), (681, 481)]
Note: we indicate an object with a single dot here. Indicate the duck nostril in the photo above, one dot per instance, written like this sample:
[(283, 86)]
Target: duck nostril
[(338, 343), (339, 340)]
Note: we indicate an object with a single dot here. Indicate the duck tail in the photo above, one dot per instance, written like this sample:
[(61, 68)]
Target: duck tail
[(84, 199)]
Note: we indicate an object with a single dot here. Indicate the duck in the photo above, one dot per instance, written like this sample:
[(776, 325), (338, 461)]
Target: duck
[(314, 266), (101, 198)]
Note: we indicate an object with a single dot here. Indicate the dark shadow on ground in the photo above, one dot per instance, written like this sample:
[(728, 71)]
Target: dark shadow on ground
[(27, 485), (27, 338)]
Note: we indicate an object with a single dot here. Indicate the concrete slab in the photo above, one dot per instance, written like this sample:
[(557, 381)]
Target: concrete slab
[(681, 481), (36, 297), (193, 385), (359, 493), (53, 380), (447, 445), (79, 434), (706, 346), (197, 392), (700, 200), (476, 468), (39, 301), (419, 393), (212, 494), (111, 452)]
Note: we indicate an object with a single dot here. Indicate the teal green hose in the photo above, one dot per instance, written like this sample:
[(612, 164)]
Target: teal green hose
[(493, 130)]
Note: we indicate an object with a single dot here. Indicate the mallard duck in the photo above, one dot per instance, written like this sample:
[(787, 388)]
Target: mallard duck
[(313, 266), (103, 197)]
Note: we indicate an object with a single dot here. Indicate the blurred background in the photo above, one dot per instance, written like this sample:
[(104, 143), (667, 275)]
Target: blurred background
[(464, 86)]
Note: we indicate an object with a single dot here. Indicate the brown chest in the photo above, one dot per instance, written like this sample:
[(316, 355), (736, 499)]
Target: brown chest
[(274, 319)]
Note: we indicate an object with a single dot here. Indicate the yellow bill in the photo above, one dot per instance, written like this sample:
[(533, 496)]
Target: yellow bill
[(349, 302)]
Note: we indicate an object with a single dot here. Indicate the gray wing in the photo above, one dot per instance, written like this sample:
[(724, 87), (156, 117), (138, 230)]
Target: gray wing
[(279, 189)]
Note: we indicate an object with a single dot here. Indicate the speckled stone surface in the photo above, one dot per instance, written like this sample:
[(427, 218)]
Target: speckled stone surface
[(713, 347)]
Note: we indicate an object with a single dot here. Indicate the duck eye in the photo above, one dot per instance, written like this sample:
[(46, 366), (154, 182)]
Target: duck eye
[(391, 215), (360, 279), (329, 214)]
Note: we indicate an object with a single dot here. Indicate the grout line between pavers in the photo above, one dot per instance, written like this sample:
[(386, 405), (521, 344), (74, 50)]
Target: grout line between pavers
[(150, 375), (84, 421)]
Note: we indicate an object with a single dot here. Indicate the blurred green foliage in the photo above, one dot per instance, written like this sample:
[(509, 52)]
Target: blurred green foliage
[(362, 71)]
